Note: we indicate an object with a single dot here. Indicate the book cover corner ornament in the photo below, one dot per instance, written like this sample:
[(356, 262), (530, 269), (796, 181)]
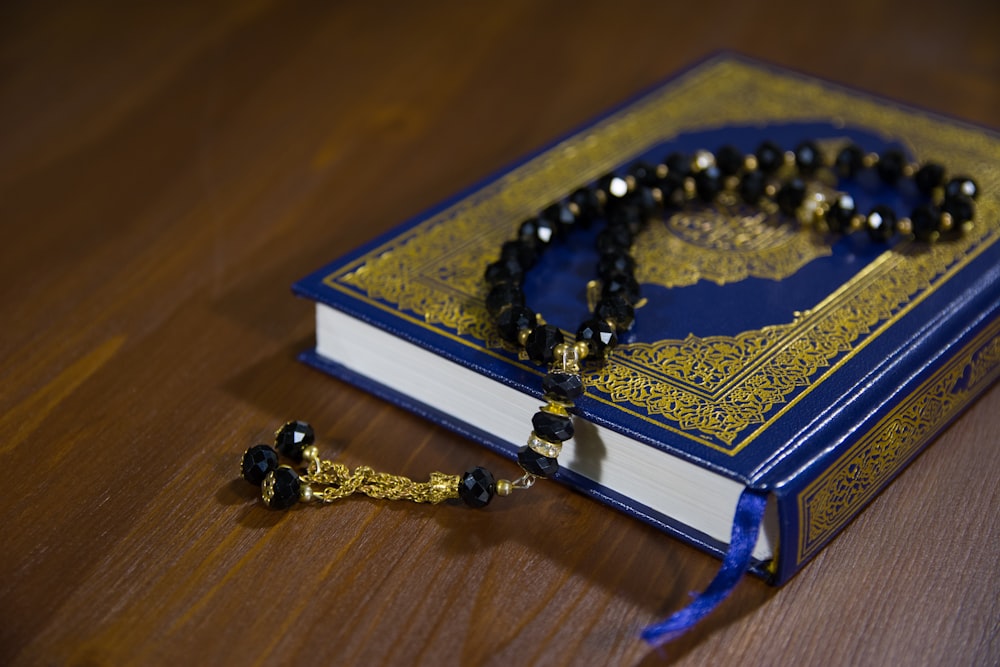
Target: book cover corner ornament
[(747, 304)]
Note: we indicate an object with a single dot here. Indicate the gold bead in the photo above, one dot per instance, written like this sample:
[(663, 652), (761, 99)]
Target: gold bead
[(504, 487), (522, 337), (750, 162), (310, 453), (690, 189), (559, 350), (905, 226), (581, 349), (555, 409), (869, 160), (305, 493), (947, 222)]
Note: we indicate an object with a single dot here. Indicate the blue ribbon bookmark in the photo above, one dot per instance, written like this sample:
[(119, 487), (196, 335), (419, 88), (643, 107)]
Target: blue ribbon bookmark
[(746, 526)]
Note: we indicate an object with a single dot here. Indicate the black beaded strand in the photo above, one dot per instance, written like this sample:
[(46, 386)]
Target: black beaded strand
[(768, 178)]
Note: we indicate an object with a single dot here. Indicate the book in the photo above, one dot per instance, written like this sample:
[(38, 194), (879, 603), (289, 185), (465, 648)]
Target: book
[(770, 357)]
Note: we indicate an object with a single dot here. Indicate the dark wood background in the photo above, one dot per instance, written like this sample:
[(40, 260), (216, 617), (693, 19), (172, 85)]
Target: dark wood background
[(167, 170)]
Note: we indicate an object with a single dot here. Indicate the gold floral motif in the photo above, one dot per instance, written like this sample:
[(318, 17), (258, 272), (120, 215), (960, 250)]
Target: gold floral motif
[(846, 486), (718, 391)]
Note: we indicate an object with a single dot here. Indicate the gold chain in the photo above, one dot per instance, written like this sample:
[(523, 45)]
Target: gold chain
[(337, 481)]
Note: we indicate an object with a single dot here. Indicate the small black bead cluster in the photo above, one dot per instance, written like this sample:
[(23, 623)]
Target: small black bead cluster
[(280, 485), (769, 178)]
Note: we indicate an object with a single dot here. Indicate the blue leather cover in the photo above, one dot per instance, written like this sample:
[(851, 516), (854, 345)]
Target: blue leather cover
[(809, 366)]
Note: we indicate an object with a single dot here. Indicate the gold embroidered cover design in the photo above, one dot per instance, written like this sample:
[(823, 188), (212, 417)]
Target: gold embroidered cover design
[(847, 485), (719, 391)]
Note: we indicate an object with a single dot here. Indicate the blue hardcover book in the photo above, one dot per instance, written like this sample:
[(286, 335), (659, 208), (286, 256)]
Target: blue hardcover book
[(768, 356)]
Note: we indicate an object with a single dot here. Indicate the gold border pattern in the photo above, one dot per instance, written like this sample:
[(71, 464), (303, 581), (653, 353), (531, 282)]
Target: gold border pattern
[(721, 391), (836, 496)]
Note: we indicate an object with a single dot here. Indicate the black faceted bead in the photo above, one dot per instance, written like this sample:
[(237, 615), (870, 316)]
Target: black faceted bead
[(678, 168), (554, 428), (477, 487), (613, 186), (504, 270), (959, 207), (503, 295), (525, 254), (541, 343), (644, 174), (588, 203), (708, 183), (791, 195), (627, 214), (615, 262), (770, 157), (257, 462), (281, 488), (622, 284), (614, 238), (808, 157), (617, 309), (729, 159), (752, 186), (535, 463), (841, 212), (562, 385), (926, 220), (644, 202), (961, 185), (890, 166), (513, 320), (561, 215), (849, 161), (531, 232), (881, 223), (928, 177), (599, 336), (292, 438)]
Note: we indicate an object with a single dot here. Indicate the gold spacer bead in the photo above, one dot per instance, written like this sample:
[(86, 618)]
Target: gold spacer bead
[(573, 208), (789, 158), (555, 409), (559, 350), (504, 487), (869, 160), (857, 222), (305, 493), (905, 226), (662, 171), (909, 170), (689, 187), (582, 349), (750, 162), (310, 453), (630, 182), (522, 337), (947, 222), (770, 189)]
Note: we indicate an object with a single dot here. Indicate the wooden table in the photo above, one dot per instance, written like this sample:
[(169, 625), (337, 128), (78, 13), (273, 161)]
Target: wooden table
[(167, 171)]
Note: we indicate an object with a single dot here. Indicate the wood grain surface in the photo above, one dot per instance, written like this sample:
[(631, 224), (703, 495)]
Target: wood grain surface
[(167, 170)]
